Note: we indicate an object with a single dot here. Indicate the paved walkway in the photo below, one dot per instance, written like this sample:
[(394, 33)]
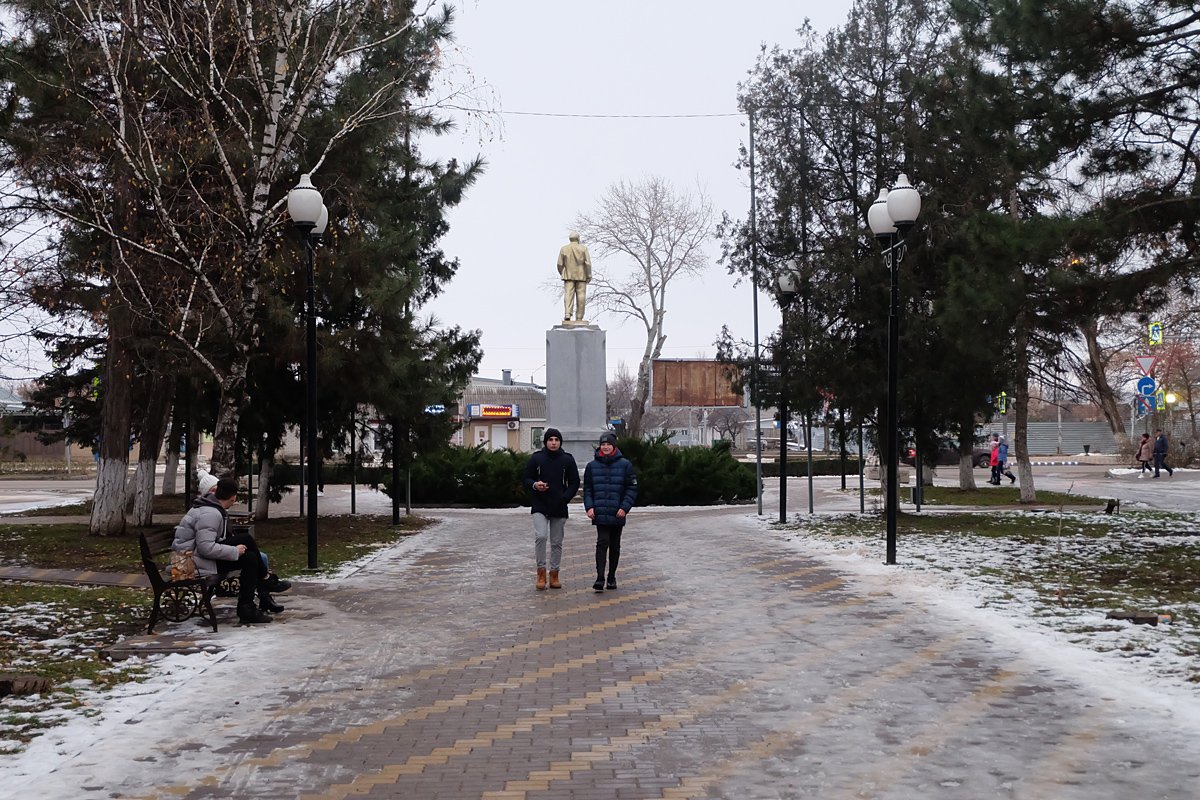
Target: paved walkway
[(88, 577), (727, 665)]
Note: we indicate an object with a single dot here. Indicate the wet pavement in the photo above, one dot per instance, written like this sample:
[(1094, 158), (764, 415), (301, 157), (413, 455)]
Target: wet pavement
[(728, 664)]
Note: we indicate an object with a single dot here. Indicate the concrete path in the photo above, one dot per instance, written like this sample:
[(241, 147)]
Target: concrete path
[(727, 665)]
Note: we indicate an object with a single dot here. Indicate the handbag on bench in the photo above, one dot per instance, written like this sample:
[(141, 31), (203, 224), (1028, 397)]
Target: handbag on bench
[(183, 566)]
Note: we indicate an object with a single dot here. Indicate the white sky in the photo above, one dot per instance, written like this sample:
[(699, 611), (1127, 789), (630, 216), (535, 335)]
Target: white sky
[(660, 57), (653, 57)]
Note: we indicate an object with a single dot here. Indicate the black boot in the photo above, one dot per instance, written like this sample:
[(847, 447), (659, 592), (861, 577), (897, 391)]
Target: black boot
[(612, 582), (275, 584), (599, 584), (267, 604), (249, 614)]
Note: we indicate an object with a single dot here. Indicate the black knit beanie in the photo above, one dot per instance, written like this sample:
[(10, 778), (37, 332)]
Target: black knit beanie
[(551, 432), (609, 437)]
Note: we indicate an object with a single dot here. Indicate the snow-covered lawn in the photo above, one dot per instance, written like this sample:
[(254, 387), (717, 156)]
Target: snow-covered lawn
[(1065, 582)]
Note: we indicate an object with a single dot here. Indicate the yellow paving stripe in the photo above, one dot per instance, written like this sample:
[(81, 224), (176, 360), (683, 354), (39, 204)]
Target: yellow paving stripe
[(584, 760), (1047, 776), (358, 732), (414, 765), (884, 772), (485, 632), (475, 661), (767, 746)]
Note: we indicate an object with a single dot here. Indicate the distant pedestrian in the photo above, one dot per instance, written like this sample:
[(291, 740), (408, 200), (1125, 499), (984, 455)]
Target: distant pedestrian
[(1162, 447), (1002, 462), (609, 492), (1145, 454), (994, 460), (552, 479)]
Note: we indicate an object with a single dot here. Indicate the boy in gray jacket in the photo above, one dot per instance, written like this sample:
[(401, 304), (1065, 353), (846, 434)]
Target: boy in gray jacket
[(203, 532)]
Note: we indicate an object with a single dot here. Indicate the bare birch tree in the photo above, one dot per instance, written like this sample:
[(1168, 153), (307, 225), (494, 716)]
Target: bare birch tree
[(206, 110), (657, 234)]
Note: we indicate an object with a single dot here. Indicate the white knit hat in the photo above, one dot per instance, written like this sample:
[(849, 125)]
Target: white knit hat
[(207, 481)]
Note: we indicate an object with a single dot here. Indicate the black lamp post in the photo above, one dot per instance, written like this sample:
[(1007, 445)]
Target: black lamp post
[(891, 216), (309, 215), (789, 287)]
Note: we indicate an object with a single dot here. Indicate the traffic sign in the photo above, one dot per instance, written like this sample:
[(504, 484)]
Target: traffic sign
[(1146, 364), (1145, 386), (1156, 333), (1144, 405), (1160, 399)]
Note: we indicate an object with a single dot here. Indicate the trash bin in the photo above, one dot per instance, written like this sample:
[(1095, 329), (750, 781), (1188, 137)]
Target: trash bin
[(1087, 449)]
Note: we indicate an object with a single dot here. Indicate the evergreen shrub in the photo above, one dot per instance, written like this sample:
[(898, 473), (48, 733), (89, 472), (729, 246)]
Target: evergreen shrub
[(470, 476), (686, 476)]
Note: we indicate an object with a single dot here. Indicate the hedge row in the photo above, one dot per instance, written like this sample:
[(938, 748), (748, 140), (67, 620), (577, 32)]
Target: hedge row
[(667, 476)]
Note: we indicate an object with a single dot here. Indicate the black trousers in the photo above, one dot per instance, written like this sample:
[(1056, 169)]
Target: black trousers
[(249, 562), (608, 547)]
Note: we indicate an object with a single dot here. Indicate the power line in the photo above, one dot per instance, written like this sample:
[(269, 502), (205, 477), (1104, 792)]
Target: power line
[(618, 116), (596, 116)]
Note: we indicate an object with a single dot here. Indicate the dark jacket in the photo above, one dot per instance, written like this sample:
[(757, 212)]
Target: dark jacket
[(199, 531), (559, 470), (1161, 446), (609, 484)]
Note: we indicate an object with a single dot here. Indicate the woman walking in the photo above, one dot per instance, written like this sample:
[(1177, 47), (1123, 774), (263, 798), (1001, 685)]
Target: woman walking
[(609, 491)]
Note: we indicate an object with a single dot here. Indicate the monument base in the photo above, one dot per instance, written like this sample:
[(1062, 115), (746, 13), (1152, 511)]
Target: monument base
[(576, 387)]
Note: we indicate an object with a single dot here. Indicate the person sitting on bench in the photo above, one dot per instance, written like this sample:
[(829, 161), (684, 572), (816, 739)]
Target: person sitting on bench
[(203, 532), (271, 581)]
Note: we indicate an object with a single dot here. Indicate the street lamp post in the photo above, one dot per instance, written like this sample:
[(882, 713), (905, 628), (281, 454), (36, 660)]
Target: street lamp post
[(309, 215), (789, 287), (758, 476), (891, 216)]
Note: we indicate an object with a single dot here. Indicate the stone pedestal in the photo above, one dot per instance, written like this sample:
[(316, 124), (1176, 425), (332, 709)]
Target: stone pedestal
[(576, 385)]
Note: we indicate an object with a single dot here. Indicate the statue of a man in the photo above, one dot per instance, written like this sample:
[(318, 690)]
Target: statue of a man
[(575, 269)]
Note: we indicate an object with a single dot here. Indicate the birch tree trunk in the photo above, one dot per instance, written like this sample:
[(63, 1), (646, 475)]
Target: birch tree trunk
[(262, 503), (966, 453), (108, 501)]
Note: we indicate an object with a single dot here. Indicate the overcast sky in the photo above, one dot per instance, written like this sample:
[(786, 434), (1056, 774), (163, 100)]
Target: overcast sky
[(651, 57)]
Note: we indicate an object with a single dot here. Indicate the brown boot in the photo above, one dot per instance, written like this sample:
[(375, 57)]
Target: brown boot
[(554, 584), (541, 581)]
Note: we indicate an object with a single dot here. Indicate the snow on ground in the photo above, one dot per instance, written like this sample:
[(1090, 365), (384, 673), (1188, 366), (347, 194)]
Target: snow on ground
[(1023, 589), (182, 684), (1004, 586)]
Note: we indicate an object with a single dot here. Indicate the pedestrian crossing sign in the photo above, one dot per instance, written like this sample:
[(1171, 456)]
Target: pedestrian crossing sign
[(1156, 333)]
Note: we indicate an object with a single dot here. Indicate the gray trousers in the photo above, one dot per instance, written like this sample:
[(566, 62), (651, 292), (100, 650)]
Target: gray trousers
[(551, 528)]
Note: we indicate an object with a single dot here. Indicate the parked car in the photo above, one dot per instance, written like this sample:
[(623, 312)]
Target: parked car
[(947, 455)]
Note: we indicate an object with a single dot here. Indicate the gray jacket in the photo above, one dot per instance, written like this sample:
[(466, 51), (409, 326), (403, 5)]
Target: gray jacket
[(199, 531)]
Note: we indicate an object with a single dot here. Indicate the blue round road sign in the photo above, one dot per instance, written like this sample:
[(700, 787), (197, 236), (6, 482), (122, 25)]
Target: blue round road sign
[(1145, 385)]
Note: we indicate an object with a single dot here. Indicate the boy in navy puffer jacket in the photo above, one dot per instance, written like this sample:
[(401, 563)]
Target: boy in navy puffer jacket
[(609, 491)]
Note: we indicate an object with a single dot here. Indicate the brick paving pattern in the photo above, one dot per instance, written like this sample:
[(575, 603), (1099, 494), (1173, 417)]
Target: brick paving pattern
[(726, 665)]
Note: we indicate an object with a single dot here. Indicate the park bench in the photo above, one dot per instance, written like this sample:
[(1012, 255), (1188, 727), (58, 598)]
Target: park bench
[(177, 600)]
